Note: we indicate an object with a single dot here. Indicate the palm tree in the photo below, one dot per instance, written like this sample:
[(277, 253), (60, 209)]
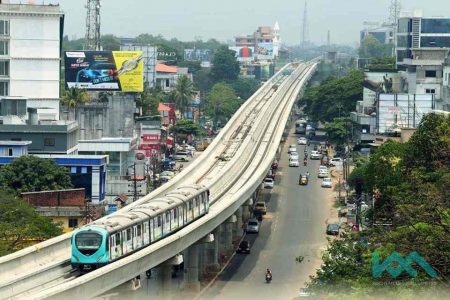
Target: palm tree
[(183, 93), (74, 97)]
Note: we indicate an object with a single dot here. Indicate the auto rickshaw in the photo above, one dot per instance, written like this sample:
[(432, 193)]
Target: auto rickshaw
[(303, 180)]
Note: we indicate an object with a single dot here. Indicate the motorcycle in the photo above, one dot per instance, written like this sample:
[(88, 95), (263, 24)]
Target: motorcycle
[(268, 278), (305, 162)]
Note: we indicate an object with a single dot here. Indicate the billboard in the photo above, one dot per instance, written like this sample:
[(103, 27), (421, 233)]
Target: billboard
[(105, 70), (202, 55), (244, 54), (264, 51)]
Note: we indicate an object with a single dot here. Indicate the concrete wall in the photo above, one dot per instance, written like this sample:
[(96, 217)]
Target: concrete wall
[(72, 197)]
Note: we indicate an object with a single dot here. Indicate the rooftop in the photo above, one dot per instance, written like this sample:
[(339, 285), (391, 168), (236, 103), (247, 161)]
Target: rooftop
[(6, 8), (110, 140), (15, 143)]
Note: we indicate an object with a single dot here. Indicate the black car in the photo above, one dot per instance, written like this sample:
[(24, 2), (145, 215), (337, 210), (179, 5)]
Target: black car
[(333, 229), (244, 247)]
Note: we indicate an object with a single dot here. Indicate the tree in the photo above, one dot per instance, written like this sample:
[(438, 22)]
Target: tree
[(110, 42), (149, 100), (30, 174), (335, 97), (74, 97), (225, 66), (21, 225), (245, 87), (221, 103), (186, 126), (339, 131), (183, 93), (372, 48)]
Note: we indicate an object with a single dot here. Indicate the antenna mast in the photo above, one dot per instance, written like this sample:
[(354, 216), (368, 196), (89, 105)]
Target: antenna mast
[(93, 25)]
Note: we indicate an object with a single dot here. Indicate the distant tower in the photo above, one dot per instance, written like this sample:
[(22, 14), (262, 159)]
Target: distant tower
[(329, 39), (394, 12), (305, 34), (276, 39), (93, 25)]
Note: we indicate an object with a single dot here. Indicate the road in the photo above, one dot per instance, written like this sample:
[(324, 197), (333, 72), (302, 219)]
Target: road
[(293, 227)]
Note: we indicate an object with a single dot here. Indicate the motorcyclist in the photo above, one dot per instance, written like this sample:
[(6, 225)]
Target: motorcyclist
[(269, 274), (305, 161)]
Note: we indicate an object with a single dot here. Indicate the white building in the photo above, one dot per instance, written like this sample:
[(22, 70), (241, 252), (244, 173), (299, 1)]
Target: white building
[(30, 45)]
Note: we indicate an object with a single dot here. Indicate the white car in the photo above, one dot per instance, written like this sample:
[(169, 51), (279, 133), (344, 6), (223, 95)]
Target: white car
[(335, 161), (323, 173), (268, 183), (308, 127), (302, 141), (169, 174), (293, 163), (252, 226), (326, 183), (293, 155), (292, 148), (323, 168), (315, 154)]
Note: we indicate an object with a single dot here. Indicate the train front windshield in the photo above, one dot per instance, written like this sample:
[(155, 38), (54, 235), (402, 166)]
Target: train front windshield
[(88, 242)]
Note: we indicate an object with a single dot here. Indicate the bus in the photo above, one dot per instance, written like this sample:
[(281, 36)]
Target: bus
[(300, 126)]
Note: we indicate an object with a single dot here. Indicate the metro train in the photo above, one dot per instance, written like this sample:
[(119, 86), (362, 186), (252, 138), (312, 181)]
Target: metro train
[(114, 237)]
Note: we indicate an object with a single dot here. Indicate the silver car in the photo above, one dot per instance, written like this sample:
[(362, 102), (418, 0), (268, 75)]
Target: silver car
[(252, 226)]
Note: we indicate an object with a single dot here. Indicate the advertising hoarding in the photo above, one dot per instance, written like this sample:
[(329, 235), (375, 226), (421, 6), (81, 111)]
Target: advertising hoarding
[(202, 55), (244, 53), (105, 70), (264, 51)]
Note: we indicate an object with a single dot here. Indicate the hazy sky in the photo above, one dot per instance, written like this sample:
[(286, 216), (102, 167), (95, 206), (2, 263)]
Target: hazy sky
[(186, 19)]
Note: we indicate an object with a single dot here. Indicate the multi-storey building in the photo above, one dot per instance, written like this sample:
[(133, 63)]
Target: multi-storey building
[(30, 47)]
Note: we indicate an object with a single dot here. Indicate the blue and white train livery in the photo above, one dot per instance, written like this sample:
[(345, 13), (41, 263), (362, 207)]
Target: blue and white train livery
[(107, 240)]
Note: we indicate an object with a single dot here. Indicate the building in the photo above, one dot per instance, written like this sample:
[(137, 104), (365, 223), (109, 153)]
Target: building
[(417, 32), (265, 42), (167, 76), (14, 148), (150, 56), (384, 34), (65, 206), (30, 47), (46, 137)]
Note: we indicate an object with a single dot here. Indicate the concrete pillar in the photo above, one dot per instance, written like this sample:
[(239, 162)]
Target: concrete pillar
[(238, 225), (165, 278), (192, 281), (246, 210)]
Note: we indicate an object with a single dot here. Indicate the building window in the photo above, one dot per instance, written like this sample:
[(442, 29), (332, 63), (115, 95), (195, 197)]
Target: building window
[(430, 91), (4, 88), (73, 222), (83, 170), (167, 83), (4, 68), (4, 27), (430, 73), (73, 170), (50, 142), (4, 47)]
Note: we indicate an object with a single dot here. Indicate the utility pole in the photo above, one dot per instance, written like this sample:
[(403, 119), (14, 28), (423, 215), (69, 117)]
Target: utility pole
[(328, 39), (92, 25)]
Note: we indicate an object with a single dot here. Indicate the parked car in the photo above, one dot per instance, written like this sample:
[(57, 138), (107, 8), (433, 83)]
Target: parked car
[(244, 247), (293, 155), (315, 154), (260, 207), (268, 183), (293, 162), (333, 229), (292, 148), (169, 174), (181, 155), (303, 180), (302, 141), (334, 161), (326, 183), (252, 226)]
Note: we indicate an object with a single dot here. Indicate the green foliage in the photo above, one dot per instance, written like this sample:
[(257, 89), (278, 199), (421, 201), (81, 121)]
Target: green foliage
[(245, 87), (413, 179), (149, 100), (183, 93), (225, 66), (335, 97), (372, 48), (382, 63), (110, 42), (203, 81), (21, 225), (339, 131), (221, 103), (74, 97), (186, 126), (31, 173)]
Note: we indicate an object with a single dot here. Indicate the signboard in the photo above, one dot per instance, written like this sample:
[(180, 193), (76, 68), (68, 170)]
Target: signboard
[(264, 51), (150, 137), (202, 55), (244, 53), (105, 70)]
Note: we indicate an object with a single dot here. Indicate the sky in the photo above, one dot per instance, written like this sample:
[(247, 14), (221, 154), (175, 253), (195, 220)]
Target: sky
[(193, 19)]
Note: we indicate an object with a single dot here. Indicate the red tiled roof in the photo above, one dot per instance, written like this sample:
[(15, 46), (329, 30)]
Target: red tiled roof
[(165, 69)]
